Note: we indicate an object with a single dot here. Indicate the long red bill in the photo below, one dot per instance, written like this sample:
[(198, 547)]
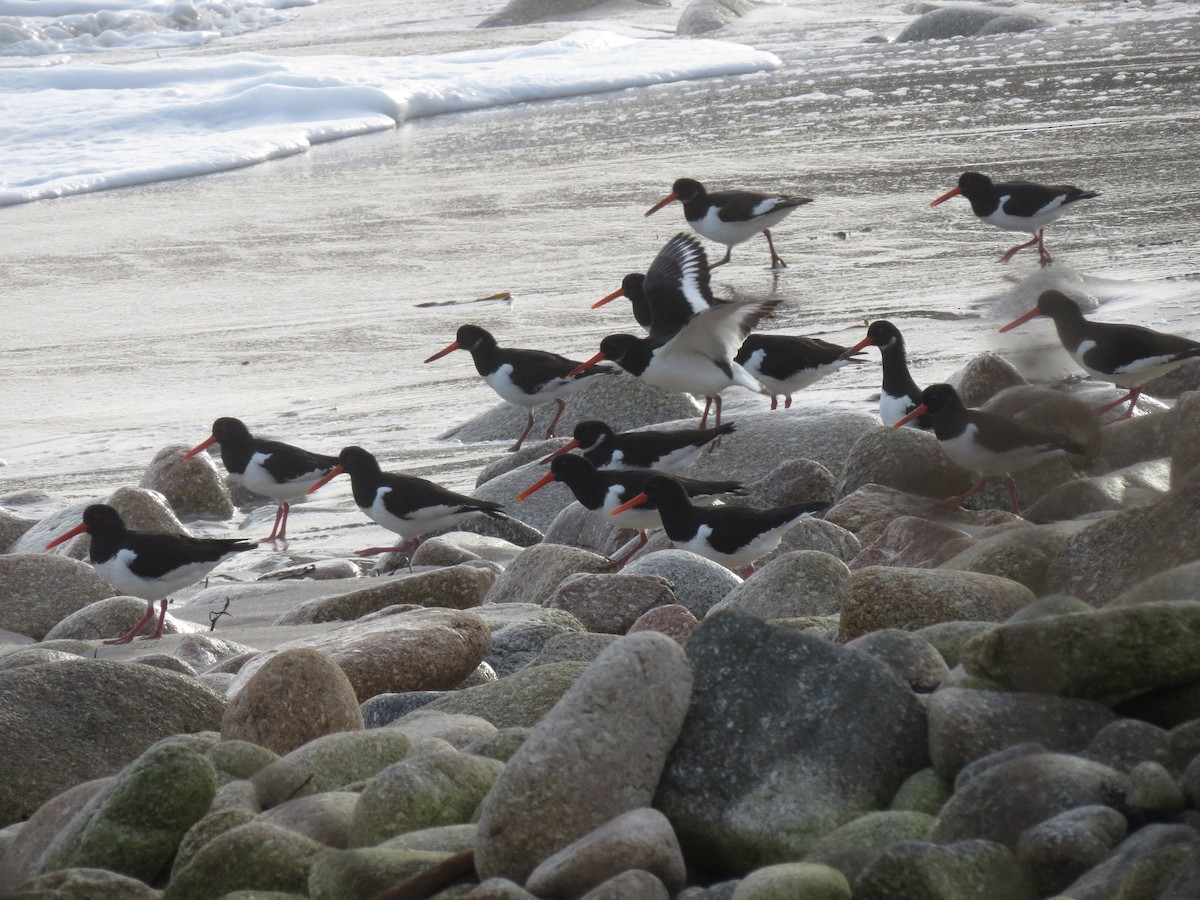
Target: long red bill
[(630, 504), (78, 529), (619, 292), (599, 357), (916, 413), (443, 352), (212, 440), (333, 473), (1021, 320), (564, 449), (865, 342), (670, 198), (536, 486), (953, 192)]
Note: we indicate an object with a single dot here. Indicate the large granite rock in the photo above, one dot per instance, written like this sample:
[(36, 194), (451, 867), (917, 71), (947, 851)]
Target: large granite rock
[(969, 20), (37, 590), (193, 488)]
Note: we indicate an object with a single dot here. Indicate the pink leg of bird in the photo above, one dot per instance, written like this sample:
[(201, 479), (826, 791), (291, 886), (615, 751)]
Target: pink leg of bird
[(774, 402), (524, 434), (1012, 251), (1044, 256), (956, 501), (562, 404), (707, 406), (776, 260), (402, 548), (132, 632), (787, 403), (728, 254), (642, 538), (748, 571), (1132, 397), (281, 517), (162, 618), (1012, 495)]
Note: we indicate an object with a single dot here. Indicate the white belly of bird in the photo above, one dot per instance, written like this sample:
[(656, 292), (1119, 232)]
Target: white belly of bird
[(965, 452), (259, 480), (1029, 224), (694, 373), (793, 383), (417, 523), (116, 572), (501, 382), (730, 233), (1132, 375), (756, 549), (893, 409)]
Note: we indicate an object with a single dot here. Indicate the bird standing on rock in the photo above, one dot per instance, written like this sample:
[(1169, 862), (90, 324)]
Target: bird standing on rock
[(986, 443), (1125, 355), (1017, 206), (148, 564), (731, 217), (526, 378), (734, 536), (271, 468), (409, 506)]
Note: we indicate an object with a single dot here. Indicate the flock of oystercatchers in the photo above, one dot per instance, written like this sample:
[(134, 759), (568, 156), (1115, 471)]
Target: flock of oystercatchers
[(694, 343)]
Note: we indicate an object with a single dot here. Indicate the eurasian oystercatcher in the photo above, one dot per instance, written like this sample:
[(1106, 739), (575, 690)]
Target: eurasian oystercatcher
[(699, 359), (900, 394), (148, 564), (663, 451), (1126, 355), (526, 378), (271, 468), (786, 363), (409, 506), (986, 443), (734, 536), (1017, 206), (602, 492), (674, 288), (731, 217)]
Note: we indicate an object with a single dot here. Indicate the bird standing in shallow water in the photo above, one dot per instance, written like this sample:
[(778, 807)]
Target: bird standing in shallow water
[(148, 564), (526, 378), (1125, 355), (731, 217), (786, 363), (271, 468), (986, 443), (409, 506), (1017, 206)]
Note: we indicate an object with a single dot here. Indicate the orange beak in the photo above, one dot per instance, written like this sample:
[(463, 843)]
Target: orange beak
[(619, 292), (1032, 314), (599, 357), (536, 486), (630, 503), (865, 342), (564, 449), (916, 413), (670, 198), (212, 440), (78, 529), (954, 192), (333, 473), (443, 352)]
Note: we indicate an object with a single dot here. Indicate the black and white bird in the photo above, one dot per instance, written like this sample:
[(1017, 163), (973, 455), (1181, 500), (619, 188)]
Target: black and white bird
[(734, 536), (1125, 355), (525, 378), (1017, 206), (698, 359), (663, 451), (603, 491), (786, 363), (674, 288), (986, 443), (731, 217), (899, 395), (404, 504), (148, 564), (270, 468)]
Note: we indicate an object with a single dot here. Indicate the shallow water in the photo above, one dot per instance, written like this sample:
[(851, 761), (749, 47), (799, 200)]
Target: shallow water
[(288, 293)]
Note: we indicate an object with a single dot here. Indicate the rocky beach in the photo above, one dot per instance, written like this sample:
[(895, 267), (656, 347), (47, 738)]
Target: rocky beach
[(908, 700)]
